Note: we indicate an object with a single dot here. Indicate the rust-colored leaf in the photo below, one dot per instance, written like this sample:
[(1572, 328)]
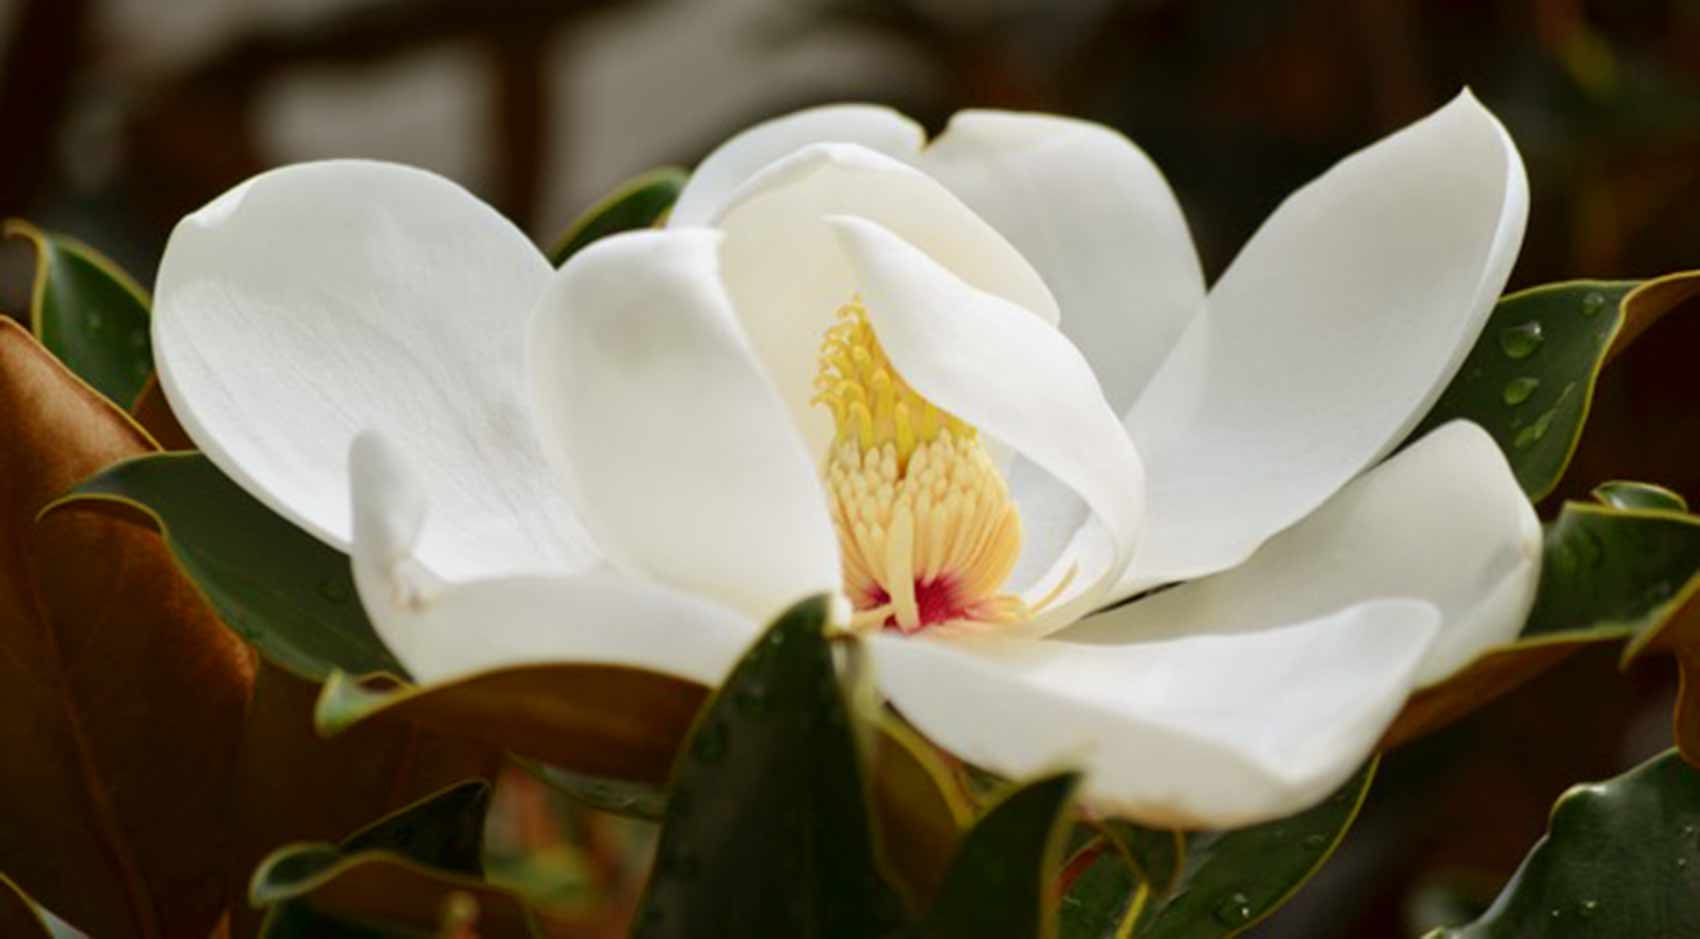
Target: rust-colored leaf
[(122, 695), (1678, 635), (601, 720), (1496, 672), (154, 413)]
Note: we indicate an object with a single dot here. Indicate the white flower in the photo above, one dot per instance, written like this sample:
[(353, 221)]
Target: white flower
[(623, 461)]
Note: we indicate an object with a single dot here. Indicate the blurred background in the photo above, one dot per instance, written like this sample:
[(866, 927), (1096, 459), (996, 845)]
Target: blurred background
[(119, 116)]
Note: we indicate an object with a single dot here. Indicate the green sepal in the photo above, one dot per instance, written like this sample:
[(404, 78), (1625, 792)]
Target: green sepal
[(768, 829), (1620, 858), (637, 203), (89, 314), (287, 593)]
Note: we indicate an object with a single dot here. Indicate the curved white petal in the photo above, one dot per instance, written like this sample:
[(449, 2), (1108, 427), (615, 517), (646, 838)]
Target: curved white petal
[(442, 631), (720, 174), (787, 274), (1204, 731), (679, 454), (1443, 521), (1328, 338), (317, 300), (1096, 218), (1009, 373)]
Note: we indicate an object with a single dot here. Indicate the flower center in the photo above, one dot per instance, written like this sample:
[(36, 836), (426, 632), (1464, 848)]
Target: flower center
[(926, 528)]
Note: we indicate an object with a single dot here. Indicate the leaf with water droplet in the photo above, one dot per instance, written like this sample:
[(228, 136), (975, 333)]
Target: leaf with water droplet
[(1535, 354), (1232, 879), (777, 816), (1522, 340), (1518, 389), (996, 884), (88, 313), (1594, 303), (1623, 494), (1614, 836)]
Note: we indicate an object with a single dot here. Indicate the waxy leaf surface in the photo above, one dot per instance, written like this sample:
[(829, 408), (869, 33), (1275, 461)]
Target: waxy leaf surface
[(637, 203)]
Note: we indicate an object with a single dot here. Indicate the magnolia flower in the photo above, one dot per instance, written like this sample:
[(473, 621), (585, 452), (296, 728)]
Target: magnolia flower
[(976, 387)]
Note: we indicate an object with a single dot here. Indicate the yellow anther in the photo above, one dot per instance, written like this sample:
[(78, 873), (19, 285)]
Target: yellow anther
[(926, 528)]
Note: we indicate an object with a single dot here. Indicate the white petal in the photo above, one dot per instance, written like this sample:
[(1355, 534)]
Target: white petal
[(678, 452), (443, 631), (1094, 215), (1007, 372), (732, 163), (318, 300), (1443, 521), (1206, 731), (788, 276), (1328, 338)]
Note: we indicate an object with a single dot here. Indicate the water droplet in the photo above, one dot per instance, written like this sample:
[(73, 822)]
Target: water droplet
[(710, 743), (335, 590), (1593, 303), (1587, 908), (776, 638), (138, 339), (1277, 833), (1557, 913), (1316, 842), (1475, 373), (1688, 831), (1518, 390), (95, 322), (1521, 341), (1534, 432), (1234, 911), (1682, 862)]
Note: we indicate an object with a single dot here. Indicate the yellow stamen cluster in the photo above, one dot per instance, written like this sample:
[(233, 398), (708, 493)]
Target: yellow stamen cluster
[(926, 528)]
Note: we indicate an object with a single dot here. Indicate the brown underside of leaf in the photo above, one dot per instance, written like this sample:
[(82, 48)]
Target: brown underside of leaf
[(596, 719), (293, 785), (1494, 673), (1678, 636), (153, 412), (918, 824), (123, 696)]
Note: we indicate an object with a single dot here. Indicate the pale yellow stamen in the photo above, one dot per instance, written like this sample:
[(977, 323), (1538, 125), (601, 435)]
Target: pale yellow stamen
[(927, 531)]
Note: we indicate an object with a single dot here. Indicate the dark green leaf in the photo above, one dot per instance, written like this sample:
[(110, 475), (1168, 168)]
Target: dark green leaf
[(283, 590), (767, 830), (1620, 858), (1101, 897), (392, 878), (1620, 494), (89, 313), (1232, 879), (636, 204), (1000, 882)]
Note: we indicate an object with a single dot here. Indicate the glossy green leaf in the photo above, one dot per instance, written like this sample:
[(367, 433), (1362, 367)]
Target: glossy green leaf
[(1621, 858), (1233, 879), (999, 885), (395, 877), (281, 589), (767, 830), (637, 203), (1621, 494), (1102, 898), (1607, 574), (1530, 378), (89, 314)]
